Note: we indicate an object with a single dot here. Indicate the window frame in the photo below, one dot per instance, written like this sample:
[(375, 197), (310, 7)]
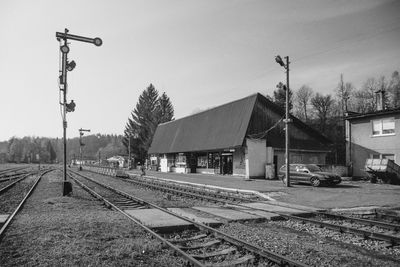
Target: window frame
[(381, 121)]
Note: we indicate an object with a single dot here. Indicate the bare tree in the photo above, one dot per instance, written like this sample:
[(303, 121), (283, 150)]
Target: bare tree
[(323, 107), (364, 98), (394, 90), (343, 92), (302, 100)]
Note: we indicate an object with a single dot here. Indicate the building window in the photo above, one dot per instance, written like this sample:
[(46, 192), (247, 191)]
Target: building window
[(210, 160), (383, 156), (171, 161), (180, 160), (388, 156), (202, 161), (383, 127)]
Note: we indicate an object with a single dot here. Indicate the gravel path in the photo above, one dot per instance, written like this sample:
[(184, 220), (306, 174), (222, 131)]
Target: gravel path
[(76, 231)]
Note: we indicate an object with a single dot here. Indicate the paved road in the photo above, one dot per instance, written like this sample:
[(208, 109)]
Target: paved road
[(348, 194)]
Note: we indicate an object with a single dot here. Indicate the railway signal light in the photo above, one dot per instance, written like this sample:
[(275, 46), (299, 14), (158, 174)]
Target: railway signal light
[(71, 65), (71, 106), (279, 60), (63, 38)]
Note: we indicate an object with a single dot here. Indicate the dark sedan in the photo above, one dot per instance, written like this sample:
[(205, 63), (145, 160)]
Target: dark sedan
[(309, 173)]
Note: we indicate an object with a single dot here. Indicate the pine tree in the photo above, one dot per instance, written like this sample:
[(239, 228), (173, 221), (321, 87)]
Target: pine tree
[(165, 109), (280, 96), (150, 110)]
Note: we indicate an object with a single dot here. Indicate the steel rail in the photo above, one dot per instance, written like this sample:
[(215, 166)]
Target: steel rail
[(188, 192), (11, 217), (11, 177), (5, 188), (12, 169), (393, 240), (195, 191), (393, 217), (386, 225), (160, 238), (185, 190), (12, 172), (274, 257)]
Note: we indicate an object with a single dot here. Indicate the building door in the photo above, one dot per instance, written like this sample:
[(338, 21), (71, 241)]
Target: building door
[(192, 163), (227, 164), (276, 166)]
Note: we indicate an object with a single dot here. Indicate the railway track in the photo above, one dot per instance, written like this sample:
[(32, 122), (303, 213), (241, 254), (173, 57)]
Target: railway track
[(378, 229), (4, 225), (200, 245), (12, 172), (208, 194), (10, 182), (386, 216)]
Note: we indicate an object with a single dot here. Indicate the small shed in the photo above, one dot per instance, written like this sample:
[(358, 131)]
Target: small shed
[(117, 161)]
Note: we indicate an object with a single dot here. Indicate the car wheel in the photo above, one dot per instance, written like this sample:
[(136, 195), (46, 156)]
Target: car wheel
[(315, 181)]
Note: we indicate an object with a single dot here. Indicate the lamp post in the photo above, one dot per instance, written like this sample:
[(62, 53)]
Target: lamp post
[(81, 144), (63, 37), (279, 60)]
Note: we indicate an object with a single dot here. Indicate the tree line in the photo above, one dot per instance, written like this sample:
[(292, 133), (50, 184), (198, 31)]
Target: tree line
[(50, 150)]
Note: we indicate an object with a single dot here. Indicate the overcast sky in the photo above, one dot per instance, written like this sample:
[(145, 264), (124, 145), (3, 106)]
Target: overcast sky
[(202, 53)]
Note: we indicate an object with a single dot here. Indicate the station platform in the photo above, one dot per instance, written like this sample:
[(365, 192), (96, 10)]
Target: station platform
[(211, 216), (347, 195)]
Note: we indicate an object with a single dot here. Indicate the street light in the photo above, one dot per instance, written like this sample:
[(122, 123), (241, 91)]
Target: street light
[(81, 144), (63, 37), (279, 60)]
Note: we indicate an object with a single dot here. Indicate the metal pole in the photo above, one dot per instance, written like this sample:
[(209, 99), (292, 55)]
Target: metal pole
[(80, 150), (129, 152), (64, 82), (287, 121), (65, 49)]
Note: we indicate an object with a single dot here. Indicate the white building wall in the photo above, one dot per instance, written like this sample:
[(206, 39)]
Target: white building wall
[(256, 158)]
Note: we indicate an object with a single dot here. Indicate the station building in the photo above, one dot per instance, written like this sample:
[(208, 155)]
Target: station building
[(245, 137)]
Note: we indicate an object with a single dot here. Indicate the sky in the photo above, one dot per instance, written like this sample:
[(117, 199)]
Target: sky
[(201, 53)]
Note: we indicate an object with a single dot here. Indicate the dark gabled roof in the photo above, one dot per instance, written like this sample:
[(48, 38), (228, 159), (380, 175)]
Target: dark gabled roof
[(217, 128), (296, 122), (354, 115)]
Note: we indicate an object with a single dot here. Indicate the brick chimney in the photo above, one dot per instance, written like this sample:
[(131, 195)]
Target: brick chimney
[(380, 100)]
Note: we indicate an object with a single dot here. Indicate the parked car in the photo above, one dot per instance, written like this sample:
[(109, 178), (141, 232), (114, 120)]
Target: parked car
[(309, 173)]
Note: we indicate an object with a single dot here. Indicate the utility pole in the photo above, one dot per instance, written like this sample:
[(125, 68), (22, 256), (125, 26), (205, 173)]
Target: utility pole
[(279, 60), (81, 144), (129, 152), (63, 38)]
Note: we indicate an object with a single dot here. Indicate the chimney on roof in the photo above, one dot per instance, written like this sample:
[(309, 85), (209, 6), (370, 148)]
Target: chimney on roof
[(380, 99)]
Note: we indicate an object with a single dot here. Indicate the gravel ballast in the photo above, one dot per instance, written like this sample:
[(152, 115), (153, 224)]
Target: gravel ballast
[(313, 250)]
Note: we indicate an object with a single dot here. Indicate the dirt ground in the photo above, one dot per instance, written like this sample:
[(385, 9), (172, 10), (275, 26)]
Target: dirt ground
[(76, 230)]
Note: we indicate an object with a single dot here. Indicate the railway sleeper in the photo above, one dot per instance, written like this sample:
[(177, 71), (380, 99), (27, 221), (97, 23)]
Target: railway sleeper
[(182, 240), (240, 261), (199, 246), (214, 254)]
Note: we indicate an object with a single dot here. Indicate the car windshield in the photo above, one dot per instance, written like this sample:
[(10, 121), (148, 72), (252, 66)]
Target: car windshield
[(313, 168)]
